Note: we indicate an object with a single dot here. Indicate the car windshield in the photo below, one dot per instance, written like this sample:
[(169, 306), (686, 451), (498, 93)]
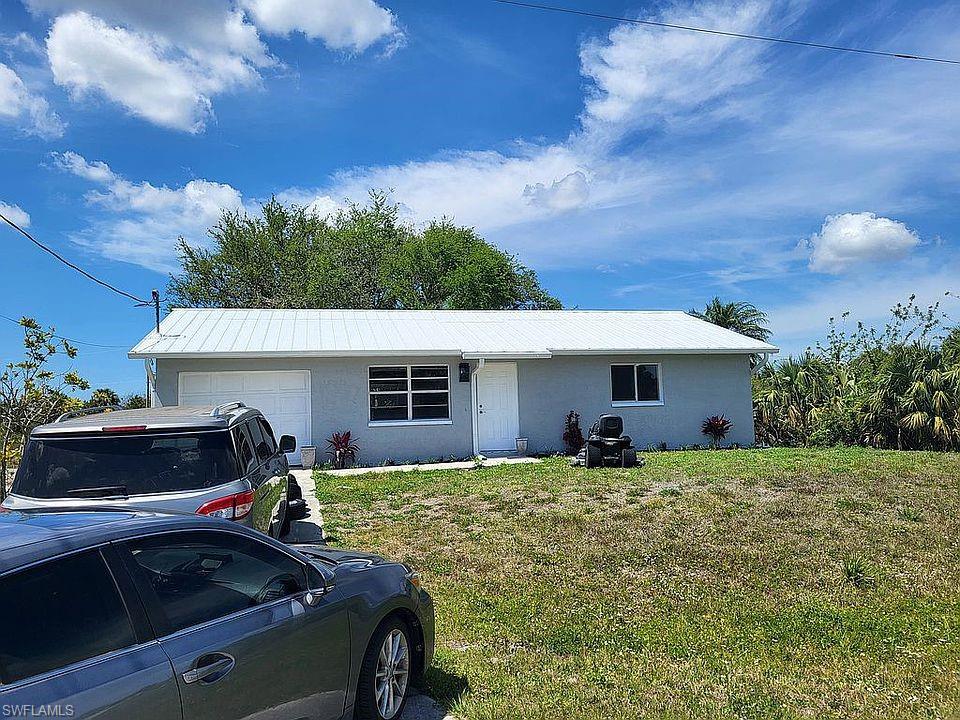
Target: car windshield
[(122, 465)]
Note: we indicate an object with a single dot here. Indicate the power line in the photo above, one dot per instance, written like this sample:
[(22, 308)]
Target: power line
[(153, 302), (70, 340), (69, 264), (726, 33)]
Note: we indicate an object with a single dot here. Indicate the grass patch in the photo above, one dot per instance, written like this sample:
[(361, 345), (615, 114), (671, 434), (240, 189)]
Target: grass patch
[(735, 584)]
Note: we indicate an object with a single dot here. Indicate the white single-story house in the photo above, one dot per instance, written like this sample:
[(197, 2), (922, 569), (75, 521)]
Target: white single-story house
[(418, 385)]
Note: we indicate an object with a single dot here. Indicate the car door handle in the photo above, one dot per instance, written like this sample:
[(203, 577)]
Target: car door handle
[(209, 668)]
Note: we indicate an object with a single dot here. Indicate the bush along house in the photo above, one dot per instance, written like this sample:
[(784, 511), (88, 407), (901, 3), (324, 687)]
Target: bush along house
[(418, 385)]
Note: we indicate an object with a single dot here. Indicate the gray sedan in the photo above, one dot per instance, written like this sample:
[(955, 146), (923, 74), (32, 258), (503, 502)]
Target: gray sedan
[(126, 614)]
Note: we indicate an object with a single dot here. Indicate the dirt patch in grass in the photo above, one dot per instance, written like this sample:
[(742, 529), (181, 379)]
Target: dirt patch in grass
[(740, 584)]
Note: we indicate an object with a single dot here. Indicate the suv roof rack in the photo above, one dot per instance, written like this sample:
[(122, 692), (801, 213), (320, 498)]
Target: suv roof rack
[(219, 410), (87, 411)]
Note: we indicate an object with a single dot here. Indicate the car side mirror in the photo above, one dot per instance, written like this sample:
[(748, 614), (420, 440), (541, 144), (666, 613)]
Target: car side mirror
[(288, 443), (320, 583)]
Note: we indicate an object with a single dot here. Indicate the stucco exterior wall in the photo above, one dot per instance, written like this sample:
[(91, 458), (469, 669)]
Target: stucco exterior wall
[(340, 402), (694, 387)]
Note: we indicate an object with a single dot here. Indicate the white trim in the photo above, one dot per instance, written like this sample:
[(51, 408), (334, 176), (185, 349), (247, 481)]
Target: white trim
[(465, 354), (637, 403), (409, 392), (507, 355), (407, 423), (473, 405)]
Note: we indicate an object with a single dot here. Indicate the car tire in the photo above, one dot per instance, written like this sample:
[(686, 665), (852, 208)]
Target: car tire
[(379, 675)]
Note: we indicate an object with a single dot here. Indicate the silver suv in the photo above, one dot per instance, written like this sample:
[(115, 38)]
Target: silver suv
[(220, 461)]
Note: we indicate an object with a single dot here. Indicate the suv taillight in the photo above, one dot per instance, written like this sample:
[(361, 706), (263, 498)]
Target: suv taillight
[(230, 507)]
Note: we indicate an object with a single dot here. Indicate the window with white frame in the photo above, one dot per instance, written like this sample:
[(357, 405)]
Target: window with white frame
[(409, 393), (636, 384)]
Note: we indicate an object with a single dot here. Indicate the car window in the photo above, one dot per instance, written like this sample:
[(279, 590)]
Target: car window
[(268, 434), (124, 464), (59, 613), (245, 448), (201, 576), (260, 443)]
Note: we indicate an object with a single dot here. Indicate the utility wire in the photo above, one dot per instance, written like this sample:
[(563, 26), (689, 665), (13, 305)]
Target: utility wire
[(153, 302), (726, 33), (69, 264), (70, 340)]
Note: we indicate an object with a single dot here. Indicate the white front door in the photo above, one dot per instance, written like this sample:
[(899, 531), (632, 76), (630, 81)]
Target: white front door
[(498, 416), (283, 396)]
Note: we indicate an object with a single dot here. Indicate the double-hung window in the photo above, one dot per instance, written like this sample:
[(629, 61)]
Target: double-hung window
[(409, 393), (636, 384)]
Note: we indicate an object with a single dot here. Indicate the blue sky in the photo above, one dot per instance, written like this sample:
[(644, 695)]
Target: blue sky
[(631, 167)]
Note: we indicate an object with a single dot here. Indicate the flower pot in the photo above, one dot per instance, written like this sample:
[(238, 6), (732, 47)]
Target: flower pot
[(308, 456), (521, 446)]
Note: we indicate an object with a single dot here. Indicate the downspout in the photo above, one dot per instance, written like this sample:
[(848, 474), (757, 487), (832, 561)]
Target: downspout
[(474, 402), (153, 400), (762, 359)]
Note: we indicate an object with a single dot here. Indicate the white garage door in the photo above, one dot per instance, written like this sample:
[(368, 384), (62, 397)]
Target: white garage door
[(283, 396)]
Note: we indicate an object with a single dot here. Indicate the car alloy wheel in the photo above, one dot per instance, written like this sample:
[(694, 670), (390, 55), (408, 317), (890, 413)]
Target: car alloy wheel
[(393, 671)]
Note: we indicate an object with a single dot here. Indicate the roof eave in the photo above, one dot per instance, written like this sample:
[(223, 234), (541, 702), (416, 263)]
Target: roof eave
[(466, 355)]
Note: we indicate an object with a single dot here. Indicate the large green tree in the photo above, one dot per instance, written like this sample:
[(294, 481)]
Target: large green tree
[(363, 256)]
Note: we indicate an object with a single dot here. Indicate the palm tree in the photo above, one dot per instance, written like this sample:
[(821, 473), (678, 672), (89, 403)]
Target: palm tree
[(915, 400), (790, 398), (742, 317)]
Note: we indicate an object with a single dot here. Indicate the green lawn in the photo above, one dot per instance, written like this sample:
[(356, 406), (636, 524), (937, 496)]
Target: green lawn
[(731, 584)]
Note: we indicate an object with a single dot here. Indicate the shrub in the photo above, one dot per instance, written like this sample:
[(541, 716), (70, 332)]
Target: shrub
[(572, 435), (716, 427), (910, 514), (858, 572), (897, 387), (342, 449)]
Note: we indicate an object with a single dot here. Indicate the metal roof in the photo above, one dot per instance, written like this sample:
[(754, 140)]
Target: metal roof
[(239, 333)]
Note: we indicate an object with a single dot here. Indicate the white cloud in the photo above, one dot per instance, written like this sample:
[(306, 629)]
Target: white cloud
[(641, 74), (851, 239), (30, 112), (203, 28), (570, 191), (143, 221), (21, 43), (166, 61), (140, 72), (16, 214), (340, 24)]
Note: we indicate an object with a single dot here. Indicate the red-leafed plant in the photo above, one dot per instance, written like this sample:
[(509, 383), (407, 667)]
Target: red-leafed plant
[(342, 449), (572, 435), (717, 428)]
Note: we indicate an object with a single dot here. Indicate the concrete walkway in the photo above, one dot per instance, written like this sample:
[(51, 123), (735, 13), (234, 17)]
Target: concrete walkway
[(310, 529), (465, 465)]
